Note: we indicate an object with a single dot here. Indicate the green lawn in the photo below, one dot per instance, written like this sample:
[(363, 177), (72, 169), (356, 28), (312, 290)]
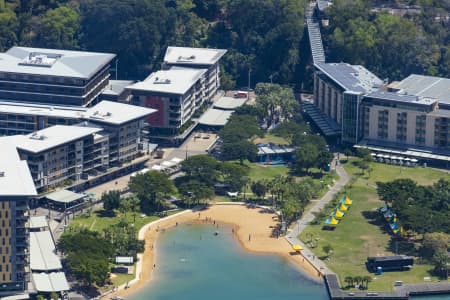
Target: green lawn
[(97, 221), (258, 172), (270, 138), (361, 233)]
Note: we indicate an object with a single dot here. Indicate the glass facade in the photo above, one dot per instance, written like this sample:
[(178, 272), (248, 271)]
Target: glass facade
[(351, 111)]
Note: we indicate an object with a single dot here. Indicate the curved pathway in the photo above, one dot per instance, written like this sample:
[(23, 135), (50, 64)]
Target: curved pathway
[(299, 226)]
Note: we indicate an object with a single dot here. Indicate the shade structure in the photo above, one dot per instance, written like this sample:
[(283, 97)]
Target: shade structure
[(157, 168), (414, 160), (338, 214), (331, 221), (343, 207), (297, 247), (348, 201)]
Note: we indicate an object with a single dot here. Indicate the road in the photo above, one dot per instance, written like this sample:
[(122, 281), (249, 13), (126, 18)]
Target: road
[(300, 225)]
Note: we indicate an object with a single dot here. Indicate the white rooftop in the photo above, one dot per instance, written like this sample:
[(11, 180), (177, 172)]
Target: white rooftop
[(426, 86), (64, 196), (52, 137), (116, 113), (15, 177), (193, 56), (229, 103), (52, 62), (42, 109), (116, 87), (173, 81), (53, 282), (105, 111), (42, 252), (215, 117), (38, 222)]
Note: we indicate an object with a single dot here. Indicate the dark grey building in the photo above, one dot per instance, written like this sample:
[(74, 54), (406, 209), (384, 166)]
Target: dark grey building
[(56, 77)]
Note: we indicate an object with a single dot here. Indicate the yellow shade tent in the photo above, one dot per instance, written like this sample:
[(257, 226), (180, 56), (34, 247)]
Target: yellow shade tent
[(297, 247), (343, 207), (338, 214), (348, 201), (333, 221)]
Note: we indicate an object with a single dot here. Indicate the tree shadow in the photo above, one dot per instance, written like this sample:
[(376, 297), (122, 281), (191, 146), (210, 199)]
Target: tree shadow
[(401, 246), (374, 217), (105, 213)]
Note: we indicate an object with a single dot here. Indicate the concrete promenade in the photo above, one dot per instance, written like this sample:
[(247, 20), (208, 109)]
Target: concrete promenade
[(300, 225)]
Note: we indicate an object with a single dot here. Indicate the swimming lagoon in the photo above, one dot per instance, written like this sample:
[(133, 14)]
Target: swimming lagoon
[(194, 263)]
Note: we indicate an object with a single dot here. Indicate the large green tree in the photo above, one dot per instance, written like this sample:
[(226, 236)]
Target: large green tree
[(151, 188), (111, 200), (59, 29), (87, 255), (136, 30), (202, 168)]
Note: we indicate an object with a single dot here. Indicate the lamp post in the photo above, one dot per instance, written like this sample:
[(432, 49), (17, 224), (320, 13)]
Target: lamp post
[(117, 61), (249, 81)]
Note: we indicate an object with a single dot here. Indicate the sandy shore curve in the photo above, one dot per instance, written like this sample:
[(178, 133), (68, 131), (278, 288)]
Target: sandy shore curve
[(252, 226)]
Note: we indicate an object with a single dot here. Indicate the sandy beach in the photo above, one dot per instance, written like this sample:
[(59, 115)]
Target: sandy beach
[(253, 228)]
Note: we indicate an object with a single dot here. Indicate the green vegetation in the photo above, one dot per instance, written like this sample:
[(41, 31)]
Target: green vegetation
[(261, 36), (258, 172), (87, 255), (271, 138), (100, 220), (362, 232), (392, 46)]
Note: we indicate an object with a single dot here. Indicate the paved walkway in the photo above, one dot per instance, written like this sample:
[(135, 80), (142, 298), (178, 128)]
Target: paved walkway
[(300, 225)]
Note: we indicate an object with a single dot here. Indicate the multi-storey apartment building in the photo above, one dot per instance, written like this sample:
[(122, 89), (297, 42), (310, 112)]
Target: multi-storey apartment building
[(56, 77), (199, 58), (122, 123), (409, 117), (54, 156), (16, 186), (338, 92), (176, 94)]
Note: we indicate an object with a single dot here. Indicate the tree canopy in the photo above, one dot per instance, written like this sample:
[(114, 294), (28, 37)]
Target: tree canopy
[(151, 188), (419, 208), (87, 256)]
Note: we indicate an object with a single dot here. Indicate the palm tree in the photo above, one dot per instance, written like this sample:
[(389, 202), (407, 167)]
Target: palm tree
[(349, 281), (357, 280), (367, 279)]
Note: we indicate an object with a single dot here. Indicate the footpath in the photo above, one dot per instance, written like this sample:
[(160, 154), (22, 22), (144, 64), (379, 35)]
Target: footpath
[(300, 225)]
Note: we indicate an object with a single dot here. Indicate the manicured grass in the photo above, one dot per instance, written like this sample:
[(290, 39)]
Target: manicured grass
[(362, 232), (98, 221), (258, 172), (384, 172), (120, 279), (270, 138)]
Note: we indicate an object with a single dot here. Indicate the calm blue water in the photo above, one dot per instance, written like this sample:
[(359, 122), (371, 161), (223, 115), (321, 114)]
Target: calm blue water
[(192, 263)]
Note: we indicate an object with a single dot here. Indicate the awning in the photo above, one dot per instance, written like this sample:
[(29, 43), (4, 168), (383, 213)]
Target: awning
[(53, 282), (348, 201), (297, 247), (176, 160), (215, 117), (157, 168), (168, 164), (338, 214), (38, 222), (343, 207)]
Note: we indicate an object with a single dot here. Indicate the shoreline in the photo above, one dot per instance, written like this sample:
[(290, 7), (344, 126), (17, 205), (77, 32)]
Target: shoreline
[(251, 226)]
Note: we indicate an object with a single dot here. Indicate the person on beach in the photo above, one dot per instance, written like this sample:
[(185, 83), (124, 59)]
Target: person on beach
[(249, 237)]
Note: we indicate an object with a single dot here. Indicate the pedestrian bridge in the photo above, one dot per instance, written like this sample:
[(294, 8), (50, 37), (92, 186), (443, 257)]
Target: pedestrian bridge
[(315, 38)]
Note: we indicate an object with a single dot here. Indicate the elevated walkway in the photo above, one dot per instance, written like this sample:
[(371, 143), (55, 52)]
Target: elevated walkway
[(315, 38)]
